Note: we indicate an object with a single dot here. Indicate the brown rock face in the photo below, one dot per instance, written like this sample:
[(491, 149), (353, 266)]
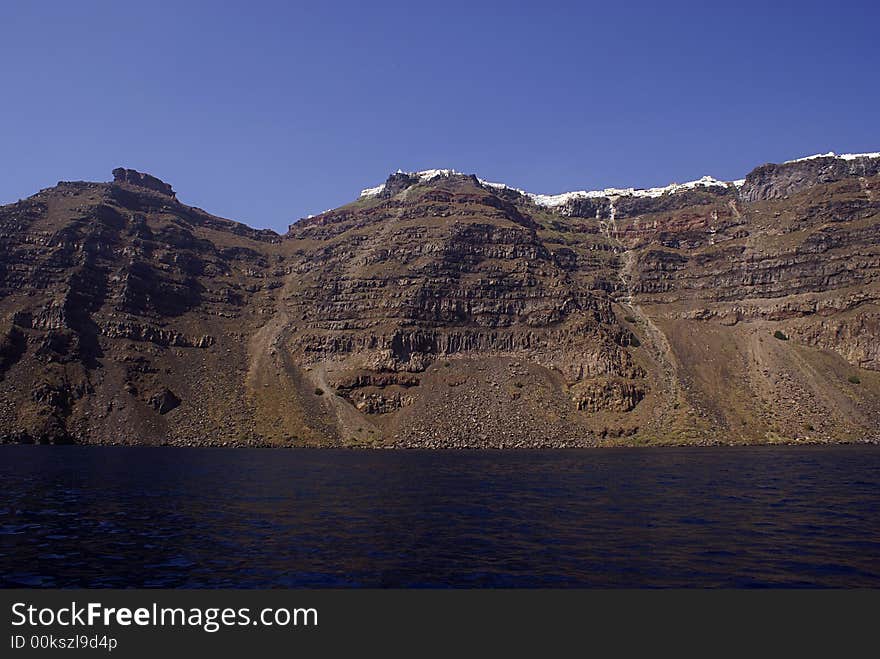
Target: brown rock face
[(448, 313)]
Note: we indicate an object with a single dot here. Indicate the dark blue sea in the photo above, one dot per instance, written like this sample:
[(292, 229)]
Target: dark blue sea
[(263, 518)]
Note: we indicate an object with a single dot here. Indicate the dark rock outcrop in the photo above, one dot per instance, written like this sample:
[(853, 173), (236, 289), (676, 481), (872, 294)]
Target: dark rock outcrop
[(776, 181), (141, 180), (164, 401)]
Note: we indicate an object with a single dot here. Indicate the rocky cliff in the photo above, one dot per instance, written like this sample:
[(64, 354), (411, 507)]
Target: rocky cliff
[(439, 310)]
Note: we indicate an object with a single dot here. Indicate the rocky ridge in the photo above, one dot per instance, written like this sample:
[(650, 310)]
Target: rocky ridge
[(440, 310)]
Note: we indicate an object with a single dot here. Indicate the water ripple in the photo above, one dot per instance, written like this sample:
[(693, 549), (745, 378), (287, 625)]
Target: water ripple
[(734, 517)]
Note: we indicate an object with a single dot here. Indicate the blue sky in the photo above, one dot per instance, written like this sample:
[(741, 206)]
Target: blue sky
[(268, 111)]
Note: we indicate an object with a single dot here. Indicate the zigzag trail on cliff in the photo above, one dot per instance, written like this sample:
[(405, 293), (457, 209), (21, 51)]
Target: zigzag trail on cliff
[(268, 370), (656, 340)]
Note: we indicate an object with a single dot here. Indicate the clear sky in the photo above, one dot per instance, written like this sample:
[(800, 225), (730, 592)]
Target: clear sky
[(265, 112)]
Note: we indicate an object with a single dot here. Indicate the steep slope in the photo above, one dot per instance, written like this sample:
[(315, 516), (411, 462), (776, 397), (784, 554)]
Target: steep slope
[(124, 315), (442, 310), (798, 260), (418, 307)]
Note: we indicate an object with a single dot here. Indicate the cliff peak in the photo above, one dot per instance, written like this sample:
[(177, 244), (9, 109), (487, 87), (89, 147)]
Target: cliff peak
[(142, 180), (401, 180)]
